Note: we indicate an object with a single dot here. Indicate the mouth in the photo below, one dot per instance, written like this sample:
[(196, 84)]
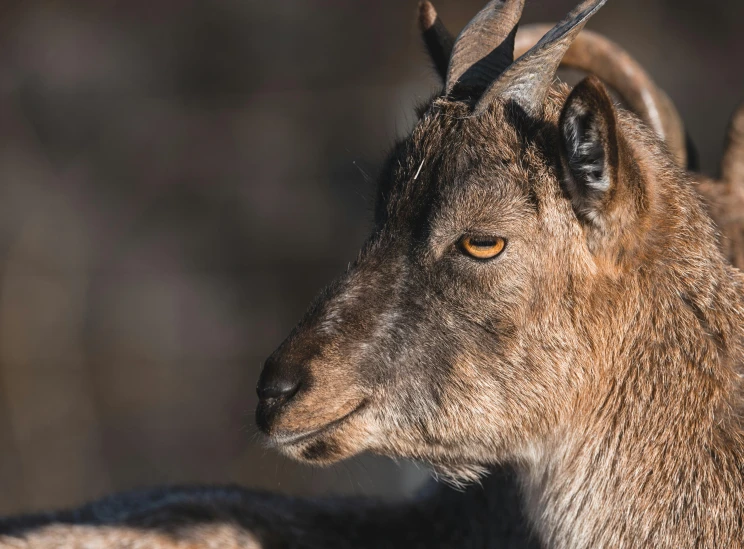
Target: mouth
[(295, 439)]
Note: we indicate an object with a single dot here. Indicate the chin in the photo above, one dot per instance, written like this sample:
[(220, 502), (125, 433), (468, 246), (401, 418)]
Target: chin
[(316, 450), (338, 440)]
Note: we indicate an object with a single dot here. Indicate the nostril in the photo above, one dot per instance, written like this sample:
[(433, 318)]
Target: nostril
[(278, 388), (279, 382)]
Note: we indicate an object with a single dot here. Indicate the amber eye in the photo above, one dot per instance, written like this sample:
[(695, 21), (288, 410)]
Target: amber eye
[(482, 247)]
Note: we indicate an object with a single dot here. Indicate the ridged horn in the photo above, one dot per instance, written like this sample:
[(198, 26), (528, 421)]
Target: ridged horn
[(528, 79), (595, 54), (732, 166), (485, 47), (437, 38)]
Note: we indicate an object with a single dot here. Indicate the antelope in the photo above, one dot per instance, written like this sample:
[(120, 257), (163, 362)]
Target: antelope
[(543, 296)]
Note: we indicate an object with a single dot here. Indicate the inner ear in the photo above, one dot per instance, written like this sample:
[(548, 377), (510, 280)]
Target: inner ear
[(589, 148)]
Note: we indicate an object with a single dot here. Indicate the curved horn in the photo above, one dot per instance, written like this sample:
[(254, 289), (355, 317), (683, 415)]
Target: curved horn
[(485, 47), (732, 165), (437, 38), (528, 79), (595, 54)]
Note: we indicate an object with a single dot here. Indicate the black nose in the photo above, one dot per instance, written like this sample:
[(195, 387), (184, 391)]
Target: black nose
[(278, 380), (281, 388)]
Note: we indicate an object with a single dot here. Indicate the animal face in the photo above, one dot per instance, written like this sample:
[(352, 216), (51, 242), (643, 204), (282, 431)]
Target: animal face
[(460, 335)]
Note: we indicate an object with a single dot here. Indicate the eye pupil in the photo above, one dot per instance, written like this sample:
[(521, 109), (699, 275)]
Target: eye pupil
[(482, 247), (482, 243)]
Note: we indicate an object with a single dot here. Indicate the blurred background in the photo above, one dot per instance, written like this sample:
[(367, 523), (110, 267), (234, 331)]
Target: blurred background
[(179, 178)]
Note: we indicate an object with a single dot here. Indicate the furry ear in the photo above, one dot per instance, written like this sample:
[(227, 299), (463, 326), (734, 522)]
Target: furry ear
[(610, 195), (589, 147)]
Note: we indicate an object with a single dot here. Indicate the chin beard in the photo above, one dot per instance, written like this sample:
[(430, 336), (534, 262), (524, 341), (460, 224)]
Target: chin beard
[(458, 476)]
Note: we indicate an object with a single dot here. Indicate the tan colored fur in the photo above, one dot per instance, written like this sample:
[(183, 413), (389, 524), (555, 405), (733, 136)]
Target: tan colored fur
[(60, 536), (619, 395), (601, 356)]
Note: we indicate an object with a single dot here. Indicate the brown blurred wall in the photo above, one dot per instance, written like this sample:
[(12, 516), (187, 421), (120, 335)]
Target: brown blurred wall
[(178, 179)]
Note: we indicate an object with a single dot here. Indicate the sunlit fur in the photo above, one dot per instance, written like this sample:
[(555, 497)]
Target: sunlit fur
[(599, 356), (629, 354)]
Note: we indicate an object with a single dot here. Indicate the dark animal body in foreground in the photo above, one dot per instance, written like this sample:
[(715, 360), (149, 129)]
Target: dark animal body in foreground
[(543, 288), (232, 517)]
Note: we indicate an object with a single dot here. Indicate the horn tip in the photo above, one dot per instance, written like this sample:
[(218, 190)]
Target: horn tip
[(427, 15)]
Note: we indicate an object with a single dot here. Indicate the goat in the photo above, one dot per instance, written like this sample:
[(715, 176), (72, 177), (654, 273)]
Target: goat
[(543, 288), (448, 364)]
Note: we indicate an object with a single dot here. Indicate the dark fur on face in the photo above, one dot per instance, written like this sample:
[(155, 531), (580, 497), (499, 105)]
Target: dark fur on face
[(439, 339), (611, 292), (455, 359)]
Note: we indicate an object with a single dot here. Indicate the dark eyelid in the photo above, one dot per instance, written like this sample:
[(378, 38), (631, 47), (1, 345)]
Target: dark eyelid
[(483, 240)]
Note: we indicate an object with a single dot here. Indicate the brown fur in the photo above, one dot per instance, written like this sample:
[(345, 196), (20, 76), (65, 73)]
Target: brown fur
[(220, 536), (614, 386), (599, 355)]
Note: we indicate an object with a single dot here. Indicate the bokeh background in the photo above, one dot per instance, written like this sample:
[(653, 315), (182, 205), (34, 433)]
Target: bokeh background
[(178, 179)]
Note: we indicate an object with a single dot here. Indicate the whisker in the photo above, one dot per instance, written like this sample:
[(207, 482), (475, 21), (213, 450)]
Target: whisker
[(415, 177), (365, 175)]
